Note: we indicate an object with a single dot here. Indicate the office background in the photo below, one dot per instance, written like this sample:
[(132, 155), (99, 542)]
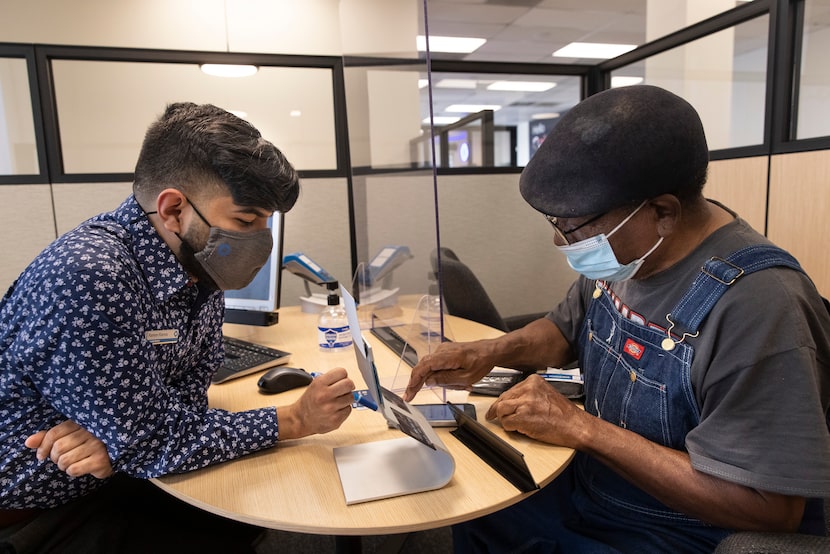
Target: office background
[(344, 91)]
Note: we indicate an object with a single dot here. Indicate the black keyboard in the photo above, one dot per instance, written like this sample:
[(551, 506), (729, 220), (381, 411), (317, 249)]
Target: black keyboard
[(397, 344), (243, 358)]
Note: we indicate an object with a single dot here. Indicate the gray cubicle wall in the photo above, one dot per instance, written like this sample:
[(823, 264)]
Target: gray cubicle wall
[(27, 225), (32, 216)]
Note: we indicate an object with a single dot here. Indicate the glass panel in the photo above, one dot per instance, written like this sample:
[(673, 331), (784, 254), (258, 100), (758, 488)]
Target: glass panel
[(519, 109), (104, 109), (383, 114), (722, 75), (18, 151), (814, 80)]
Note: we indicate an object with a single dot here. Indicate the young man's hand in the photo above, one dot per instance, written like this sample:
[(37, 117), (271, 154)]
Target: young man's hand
[(74, 449), (323, 407)]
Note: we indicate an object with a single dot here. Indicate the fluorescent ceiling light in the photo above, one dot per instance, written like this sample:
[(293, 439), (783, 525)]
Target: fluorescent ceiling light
[(457, 83), (455, 45), (422, 83), (521, 86), (295, 113), (594, 50), (548, 115), (471, 108), (228, 70), (441, 119), (239, 113), (622, 81)]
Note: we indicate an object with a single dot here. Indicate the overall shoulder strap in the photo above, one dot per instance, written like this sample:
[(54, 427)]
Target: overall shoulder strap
[(717, 275)]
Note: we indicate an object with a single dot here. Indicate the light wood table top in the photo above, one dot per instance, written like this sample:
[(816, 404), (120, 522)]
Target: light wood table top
[(295, 486)]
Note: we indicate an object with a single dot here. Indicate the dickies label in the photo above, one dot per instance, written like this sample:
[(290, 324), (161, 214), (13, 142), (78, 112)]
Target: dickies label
[(634, 349)]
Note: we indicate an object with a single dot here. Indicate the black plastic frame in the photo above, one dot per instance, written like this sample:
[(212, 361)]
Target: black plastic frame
[(789, 33), (783, 57), (487, 137), (44, 54), (26, 52), (588, 75), (700, 30)]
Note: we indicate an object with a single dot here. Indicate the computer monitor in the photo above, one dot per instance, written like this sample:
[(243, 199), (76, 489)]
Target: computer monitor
[(257, 303)]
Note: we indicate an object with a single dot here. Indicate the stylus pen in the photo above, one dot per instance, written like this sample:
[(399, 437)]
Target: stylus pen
[(359, 398)]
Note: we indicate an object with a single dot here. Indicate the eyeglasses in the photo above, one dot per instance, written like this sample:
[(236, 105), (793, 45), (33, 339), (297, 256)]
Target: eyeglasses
[(563, 235)]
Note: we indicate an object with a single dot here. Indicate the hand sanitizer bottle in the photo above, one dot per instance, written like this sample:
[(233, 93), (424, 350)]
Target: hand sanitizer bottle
[(332, 326)]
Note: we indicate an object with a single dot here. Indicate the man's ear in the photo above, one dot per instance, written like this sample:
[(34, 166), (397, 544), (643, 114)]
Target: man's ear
[(170, 204), (668, 210)]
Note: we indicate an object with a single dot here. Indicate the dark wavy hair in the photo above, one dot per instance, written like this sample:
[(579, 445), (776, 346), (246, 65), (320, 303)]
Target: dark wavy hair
[(199, 149)]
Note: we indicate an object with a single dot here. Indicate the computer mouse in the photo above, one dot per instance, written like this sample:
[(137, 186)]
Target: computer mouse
[(283, 378)]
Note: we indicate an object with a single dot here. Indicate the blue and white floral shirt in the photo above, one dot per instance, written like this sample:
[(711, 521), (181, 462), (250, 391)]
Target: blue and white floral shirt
[(105, 328)]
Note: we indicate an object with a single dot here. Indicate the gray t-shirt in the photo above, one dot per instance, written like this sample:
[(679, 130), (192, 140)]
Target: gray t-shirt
[(761, 367)]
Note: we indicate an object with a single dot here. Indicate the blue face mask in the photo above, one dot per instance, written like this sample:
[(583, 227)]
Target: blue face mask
[(595, 259)]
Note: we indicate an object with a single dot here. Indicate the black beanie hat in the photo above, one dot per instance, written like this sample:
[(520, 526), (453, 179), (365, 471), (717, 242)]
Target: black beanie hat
[(616, 148)]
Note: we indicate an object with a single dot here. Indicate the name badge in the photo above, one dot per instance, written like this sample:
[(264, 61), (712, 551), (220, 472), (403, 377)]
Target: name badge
[(162, 336)]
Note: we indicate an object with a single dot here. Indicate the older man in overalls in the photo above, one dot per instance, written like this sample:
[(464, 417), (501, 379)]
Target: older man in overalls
[(704, 350)]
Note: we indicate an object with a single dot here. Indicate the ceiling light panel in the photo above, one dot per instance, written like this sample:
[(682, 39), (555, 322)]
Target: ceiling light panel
[(457, 83), (521, 86), (623, 81), (593, 50), (454, 45), (441, 120), (546, 115)]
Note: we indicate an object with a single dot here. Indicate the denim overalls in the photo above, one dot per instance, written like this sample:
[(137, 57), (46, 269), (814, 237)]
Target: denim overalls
[(639, 379)]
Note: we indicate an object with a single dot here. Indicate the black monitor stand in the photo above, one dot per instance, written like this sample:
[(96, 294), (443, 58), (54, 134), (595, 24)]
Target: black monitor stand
[(251, 317)]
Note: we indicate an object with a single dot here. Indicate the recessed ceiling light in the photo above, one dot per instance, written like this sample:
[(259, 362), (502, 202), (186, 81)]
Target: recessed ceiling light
[(457, 83), (455, 45), (422, 83), (548, 115), (239, 113), (441, 120), (623, 81), (594, 50), (228, 70), (521, 86), (295, 113), (471, 108)]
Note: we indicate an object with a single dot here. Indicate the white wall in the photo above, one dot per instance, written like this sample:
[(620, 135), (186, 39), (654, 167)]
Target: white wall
[(309, 27), (814, 91)]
